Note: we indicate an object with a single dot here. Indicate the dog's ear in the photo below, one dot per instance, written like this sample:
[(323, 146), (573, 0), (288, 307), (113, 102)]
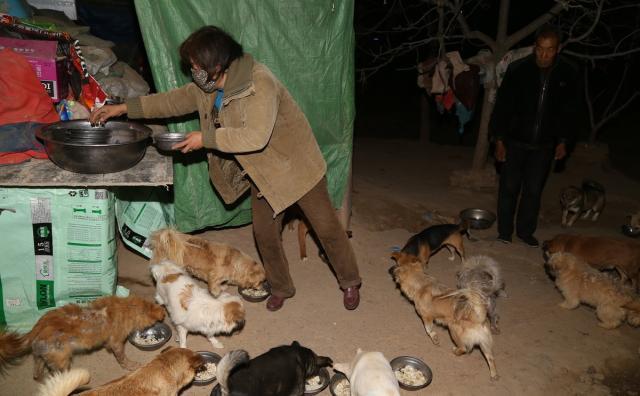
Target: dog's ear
[(295, 344), (344, 368)]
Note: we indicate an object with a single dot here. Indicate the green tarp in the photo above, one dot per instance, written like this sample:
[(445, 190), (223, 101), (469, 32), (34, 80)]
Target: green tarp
[(308, 44)]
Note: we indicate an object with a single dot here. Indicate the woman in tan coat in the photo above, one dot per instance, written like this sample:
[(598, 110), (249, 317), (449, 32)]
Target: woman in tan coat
[(246, 112)]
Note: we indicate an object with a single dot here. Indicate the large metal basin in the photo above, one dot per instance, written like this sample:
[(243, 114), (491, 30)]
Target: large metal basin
[(79, 147)]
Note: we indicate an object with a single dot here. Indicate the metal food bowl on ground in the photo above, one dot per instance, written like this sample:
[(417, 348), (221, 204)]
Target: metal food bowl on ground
[(402, 361), (244, 292), (164, 141), (324, 382), (478, 219), (79, 147), (630, 230), (209, 357), (160, 331), (336, 380)]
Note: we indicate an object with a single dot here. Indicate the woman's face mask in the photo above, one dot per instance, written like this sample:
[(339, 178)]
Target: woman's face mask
[(201, 78)]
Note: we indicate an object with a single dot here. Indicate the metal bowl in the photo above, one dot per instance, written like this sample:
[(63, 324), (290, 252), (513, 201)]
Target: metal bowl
[(335, 381), (630, 230), (209, 357), (324, 382), (402, 361), (244, 292), (478, 219), (160, 331), (165, 141), (79, 147)]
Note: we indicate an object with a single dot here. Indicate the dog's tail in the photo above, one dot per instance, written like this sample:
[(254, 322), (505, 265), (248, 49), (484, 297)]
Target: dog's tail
[(482, 273), (633, 313), (65, 382), (13, 346), (227, 364), (470, 305)]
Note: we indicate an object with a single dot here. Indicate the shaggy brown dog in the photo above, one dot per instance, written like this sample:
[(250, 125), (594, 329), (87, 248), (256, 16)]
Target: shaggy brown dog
[(601, 253), (71, 329), (163, 376), (215, 263), (463, 312), (580, 283)]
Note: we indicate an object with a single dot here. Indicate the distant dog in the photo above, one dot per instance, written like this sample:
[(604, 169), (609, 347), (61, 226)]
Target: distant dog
[(431, 239), (582, 202), (482, 273), (165, 375), (601, 253), (369, 374), (280, 371), (215, 263), (463, 312), (70, 329), (192, 308), (580, 283)]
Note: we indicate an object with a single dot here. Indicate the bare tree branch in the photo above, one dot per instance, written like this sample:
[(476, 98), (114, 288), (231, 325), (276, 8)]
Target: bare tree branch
[(470, 34), (518, 36), (601, 56), (586, 34)]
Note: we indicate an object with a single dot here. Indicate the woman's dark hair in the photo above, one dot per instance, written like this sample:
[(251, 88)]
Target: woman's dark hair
[(211, 48)]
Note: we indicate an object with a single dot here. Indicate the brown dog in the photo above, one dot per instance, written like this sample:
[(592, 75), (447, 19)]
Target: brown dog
[(165, 375), (463, 311), (580, 283), (600, 253), (215, 263), (70, 329)]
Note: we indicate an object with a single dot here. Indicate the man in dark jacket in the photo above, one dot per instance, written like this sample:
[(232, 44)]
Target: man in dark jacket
[(532, 121)]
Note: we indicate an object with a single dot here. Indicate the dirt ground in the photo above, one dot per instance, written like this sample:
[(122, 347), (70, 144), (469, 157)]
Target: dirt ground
[(398, 185)]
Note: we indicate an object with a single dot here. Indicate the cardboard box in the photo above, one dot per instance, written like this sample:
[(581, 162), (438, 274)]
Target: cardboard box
[(49, 68)]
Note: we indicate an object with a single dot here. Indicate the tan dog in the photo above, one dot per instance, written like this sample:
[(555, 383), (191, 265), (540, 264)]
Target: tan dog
[(215, 263), (580, 283), (165, 375), (70, 329), (463, 312), (600, 253)]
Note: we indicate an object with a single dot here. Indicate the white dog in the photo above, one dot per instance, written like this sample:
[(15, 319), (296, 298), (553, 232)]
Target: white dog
[(192, 308), (370, 374)]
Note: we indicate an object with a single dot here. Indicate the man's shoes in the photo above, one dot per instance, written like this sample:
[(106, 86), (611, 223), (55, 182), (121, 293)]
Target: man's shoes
[(351, 297), (504, 239), (274, 303), (530, 241)]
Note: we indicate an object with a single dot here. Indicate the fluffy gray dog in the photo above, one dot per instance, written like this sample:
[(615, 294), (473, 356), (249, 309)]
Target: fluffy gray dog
[(483, 274)]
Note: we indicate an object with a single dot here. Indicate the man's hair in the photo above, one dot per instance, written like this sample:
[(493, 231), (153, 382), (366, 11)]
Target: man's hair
[(211, 48), (548, 31)]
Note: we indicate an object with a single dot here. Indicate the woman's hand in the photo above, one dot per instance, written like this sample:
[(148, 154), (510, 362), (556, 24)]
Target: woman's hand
[(193, 141), (101, 115)]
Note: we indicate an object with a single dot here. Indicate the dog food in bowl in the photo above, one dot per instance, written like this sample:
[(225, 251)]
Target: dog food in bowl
[(408, 375), (411, 372), (316, 384), (255, 294), (339, 385), (151, 338), (207, 373)]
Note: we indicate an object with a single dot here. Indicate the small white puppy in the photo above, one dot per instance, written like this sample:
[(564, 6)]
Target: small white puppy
[(192, 308), (370, 374)]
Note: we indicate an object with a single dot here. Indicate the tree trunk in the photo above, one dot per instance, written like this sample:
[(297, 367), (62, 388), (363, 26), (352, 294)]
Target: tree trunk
[(425, 119), (482, 144)]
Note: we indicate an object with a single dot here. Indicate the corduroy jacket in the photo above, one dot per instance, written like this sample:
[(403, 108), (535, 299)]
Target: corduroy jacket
[(260, 126)]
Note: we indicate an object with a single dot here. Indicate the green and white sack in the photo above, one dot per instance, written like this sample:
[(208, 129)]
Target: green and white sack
[(57, 246)]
